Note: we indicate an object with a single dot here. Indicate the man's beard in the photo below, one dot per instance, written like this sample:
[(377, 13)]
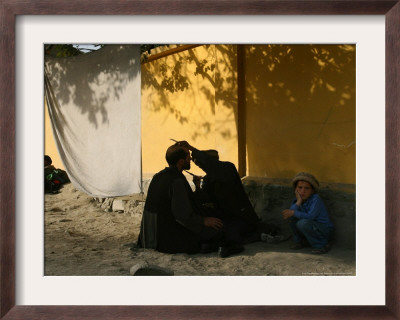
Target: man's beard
[(186, 165)]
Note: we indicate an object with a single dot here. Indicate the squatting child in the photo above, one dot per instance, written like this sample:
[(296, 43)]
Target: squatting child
[(308, 217)]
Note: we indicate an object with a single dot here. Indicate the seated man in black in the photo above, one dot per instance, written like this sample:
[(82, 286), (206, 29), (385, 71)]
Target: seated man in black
[(172, 221), (223, 189)]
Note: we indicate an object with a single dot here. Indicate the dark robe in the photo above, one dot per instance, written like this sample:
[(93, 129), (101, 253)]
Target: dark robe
[(223, 191), (172, 220), (223, 186)]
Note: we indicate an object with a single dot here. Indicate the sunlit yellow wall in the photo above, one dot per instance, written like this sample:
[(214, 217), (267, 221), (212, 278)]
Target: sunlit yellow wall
[(180, 101), (300, 109), (226, 104), (49, 145)]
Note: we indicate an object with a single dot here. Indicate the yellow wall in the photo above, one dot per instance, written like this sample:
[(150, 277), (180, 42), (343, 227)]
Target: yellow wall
[(49, 145), (300, 109), (179, 101)]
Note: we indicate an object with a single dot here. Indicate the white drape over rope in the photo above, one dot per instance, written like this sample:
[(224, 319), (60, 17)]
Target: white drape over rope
[(94, 107)]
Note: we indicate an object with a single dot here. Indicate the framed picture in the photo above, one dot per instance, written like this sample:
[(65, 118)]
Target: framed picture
[(10, 10)]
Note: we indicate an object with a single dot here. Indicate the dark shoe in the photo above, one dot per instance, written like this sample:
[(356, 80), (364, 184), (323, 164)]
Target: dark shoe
[(318, 250), (297, 246), (208, 248), (325, 249), (226, 251)]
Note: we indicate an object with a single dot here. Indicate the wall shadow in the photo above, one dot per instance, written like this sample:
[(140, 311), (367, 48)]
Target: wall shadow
[(301, 110), (197, 78)]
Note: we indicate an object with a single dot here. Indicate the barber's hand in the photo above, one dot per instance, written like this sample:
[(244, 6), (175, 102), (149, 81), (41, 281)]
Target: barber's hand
[(287, 213), (185, 145), (212, 222)]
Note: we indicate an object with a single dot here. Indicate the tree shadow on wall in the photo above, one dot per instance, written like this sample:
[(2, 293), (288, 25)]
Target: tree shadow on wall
[(314, 84), (301, 73), (187, 74), (297, 75), (165, 79), (75, 79)]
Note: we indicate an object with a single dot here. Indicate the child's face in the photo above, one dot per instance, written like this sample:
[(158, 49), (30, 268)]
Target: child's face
[(304, 189)]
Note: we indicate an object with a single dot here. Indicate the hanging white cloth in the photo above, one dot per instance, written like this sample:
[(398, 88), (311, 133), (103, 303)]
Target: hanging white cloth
[(94, 107)]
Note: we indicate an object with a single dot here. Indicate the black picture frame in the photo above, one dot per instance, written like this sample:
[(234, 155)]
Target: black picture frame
[(10, 9)]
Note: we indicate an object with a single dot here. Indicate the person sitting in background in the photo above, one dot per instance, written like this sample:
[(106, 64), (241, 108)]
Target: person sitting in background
[(172, 221), (308, 217), (53, 178)]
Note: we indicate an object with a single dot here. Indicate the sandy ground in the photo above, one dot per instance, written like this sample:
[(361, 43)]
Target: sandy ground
[(81, 238)]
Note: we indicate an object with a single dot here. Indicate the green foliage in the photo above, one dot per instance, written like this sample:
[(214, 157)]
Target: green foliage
[(69, 50), (62, 50)]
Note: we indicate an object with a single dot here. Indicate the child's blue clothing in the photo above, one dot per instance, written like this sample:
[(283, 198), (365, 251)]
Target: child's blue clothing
[(311, 220), (313, 209)]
